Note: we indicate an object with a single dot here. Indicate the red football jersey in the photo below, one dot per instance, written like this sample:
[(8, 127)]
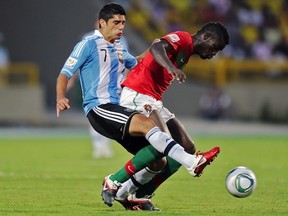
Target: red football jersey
[(149, 78)]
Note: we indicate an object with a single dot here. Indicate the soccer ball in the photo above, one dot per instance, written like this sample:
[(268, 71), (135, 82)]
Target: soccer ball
[(240, 182)]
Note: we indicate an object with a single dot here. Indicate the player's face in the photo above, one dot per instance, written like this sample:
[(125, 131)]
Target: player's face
[(209, 49), (113, 29)]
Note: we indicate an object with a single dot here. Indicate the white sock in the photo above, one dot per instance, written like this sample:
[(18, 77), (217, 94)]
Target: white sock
[(144, 175), (130, 186), (126, 188), (163, 143)]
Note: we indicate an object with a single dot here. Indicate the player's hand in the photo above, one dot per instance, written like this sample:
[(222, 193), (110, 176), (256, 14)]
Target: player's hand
[(178, 74), (155, 41), (61, 105)]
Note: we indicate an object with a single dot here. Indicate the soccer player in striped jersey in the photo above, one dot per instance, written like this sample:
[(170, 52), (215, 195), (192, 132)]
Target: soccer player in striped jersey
[(101, 60)]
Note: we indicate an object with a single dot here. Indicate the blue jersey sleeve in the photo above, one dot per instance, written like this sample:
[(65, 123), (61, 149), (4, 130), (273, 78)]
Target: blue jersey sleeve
[(130, 61), (76, 59)]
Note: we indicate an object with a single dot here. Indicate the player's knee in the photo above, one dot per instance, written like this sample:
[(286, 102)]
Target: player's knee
[(158, 165), (140, 125)]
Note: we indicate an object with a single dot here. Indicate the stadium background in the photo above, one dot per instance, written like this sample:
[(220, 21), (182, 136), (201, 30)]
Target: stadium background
[(252, 70), (49, 170)]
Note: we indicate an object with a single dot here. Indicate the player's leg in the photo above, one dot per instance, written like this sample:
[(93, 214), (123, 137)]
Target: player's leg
[(143, 158), (145, 192), (141, 177), (101, 145), (113, 121), (141, 125), (179, 134), (107, 120), (163, 143), (148, 106), (145, 105)]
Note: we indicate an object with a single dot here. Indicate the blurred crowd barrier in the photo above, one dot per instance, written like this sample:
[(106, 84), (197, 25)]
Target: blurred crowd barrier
[(22, 96), (20, 73), (257, 89), (223, 71)]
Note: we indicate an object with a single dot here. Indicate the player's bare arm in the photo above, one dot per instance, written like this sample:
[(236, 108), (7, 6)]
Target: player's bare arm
[(141, 56), (62, 103), (159, 51)]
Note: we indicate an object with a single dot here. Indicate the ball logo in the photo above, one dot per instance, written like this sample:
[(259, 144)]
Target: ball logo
[(244, 183)]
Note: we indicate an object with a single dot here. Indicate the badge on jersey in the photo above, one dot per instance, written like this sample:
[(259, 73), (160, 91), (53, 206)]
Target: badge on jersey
[(173, 37), (71, 62), (120, 56)]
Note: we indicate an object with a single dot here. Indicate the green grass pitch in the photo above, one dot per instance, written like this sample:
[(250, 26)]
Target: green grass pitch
[(54, 175)]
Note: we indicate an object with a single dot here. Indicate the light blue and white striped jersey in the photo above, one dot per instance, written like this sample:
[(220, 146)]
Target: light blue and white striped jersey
[(101, 69)]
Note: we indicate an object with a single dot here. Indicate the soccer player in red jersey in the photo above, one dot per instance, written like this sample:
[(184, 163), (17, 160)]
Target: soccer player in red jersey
[(143, 89)]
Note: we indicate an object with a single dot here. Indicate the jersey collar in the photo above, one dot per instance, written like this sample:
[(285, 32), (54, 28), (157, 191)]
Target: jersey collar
[(98, 33)]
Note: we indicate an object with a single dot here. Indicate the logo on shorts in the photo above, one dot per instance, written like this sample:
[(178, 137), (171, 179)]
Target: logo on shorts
[(128, 110), (148, 108)]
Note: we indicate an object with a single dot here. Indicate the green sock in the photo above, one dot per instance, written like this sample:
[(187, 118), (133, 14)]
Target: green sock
[(148, 189), (140, 160)]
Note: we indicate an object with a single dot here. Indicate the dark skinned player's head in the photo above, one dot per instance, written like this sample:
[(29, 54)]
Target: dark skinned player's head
[(210, 39)]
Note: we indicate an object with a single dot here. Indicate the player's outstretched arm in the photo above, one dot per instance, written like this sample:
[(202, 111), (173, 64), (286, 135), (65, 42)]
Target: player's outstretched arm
[(62, 103)]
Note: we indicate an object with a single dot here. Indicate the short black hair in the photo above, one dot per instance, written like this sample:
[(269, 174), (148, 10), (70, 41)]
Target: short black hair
[(109, 10), (218, 29)]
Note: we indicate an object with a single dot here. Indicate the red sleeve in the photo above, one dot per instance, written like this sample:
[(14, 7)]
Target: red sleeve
[(178, 39)]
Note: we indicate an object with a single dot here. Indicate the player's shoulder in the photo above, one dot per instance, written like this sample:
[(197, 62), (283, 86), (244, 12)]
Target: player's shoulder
[(181, 34), (83, 43), (92, 36), (177, 36), (121, 45)]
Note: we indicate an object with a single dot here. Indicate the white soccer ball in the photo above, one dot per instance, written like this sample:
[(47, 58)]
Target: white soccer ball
[(241, 182)]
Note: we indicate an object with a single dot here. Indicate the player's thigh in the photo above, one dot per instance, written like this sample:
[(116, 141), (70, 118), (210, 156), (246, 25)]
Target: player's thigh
[(156, 117), (111, 120), (180, 135)]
